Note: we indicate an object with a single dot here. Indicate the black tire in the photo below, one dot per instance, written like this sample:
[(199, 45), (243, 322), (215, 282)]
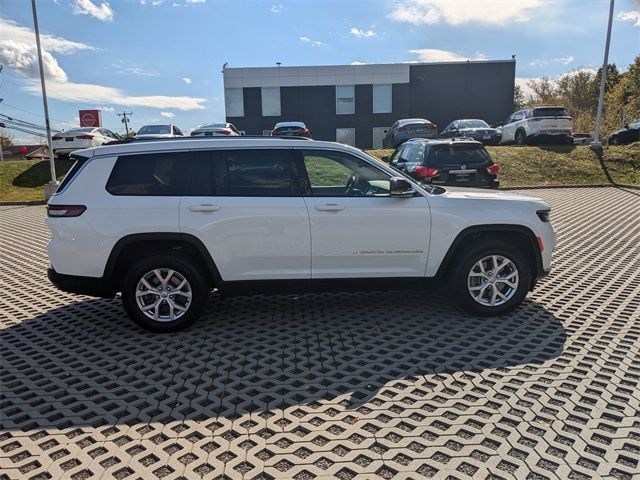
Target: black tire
[(520, 138), (184, 268), (463, 265)]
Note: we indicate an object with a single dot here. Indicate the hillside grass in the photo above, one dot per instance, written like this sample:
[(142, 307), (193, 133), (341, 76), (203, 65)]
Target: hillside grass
[(23, 180), (562, 165)]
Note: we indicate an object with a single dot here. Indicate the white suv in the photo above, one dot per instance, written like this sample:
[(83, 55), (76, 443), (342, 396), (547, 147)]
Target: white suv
[(164, 222), (538, 124)]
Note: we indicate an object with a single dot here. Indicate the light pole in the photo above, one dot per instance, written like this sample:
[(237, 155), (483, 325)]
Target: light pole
[(50, 187), (596, 144)]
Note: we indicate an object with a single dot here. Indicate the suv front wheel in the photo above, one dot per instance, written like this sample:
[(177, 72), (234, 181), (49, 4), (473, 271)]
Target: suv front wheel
[(491, 279), (164, 293)]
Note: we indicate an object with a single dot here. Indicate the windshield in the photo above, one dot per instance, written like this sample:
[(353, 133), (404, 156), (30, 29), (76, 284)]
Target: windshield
[(550, 112), (635, 123), (154, 130), (459, 155), (289, 125), (473, 124)]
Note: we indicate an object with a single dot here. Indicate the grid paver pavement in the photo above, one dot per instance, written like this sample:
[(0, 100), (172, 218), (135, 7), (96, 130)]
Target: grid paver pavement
[(352, 385)]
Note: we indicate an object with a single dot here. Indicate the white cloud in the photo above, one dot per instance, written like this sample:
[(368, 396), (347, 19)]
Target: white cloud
[(86, 92), (276, 8), (187, 80), (12, 31), (167, 114), (20, 56), (108, 109), (458, 12), (435, 55), (361, 33), (523, 83), (356, 62), (103, 12), (120, 68), (539, 62), (23, 59), (196, 1), (315, 43), (631, 16)]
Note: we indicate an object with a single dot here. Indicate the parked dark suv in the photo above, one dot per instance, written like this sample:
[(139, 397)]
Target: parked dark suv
[(461, 162)]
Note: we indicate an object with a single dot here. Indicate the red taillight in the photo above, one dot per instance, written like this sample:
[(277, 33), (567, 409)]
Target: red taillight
[(540, 243), (493, 169), (56, 138), (275, 132), (224, 132), (304, 132), (85, 137), (426, 171), (65, 210)]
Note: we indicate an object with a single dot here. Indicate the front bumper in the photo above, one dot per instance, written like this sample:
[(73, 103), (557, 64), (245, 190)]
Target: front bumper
[(91, 286)]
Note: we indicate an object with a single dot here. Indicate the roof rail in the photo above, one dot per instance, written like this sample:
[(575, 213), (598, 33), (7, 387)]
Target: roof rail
[(203, 137)]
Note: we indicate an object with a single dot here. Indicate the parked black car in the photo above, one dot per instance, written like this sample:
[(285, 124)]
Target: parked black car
[(627, 134), (473, 128), (459, 161), (295, 129), (403, 130)]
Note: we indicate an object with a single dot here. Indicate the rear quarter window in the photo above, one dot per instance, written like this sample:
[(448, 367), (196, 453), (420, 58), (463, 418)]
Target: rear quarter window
[(150, 174), (75, 168)]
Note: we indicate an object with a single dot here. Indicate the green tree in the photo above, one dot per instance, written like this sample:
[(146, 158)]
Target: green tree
[(6, 139), (519, 100), (544, 90)]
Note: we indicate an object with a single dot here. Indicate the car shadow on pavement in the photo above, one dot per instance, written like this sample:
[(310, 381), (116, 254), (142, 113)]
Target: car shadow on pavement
[(86, 364)]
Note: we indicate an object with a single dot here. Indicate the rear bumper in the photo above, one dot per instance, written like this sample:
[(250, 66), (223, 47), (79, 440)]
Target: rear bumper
[(91, 286)]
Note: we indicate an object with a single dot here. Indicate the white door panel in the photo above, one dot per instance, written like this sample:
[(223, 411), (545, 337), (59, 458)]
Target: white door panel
[(251, 238), (368, 236)]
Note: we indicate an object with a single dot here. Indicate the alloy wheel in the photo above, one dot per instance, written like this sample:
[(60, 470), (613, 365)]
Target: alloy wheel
[(163, 295), (493, 280)]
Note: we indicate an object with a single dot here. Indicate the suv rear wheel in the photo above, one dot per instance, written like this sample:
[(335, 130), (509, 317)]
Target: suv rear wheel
[(491, 279), (164, 293), (521, 138)]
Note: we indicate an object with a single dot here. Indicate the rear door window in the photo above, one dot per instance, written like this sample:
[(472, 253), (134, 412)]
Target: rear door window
[(453, 156), (150, 174), (244, 173)]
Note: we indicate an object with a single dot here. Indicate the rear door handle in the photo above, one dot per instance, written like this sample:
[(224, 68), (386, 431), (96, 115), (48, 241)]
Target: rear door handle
[(330, 207), (204, 208)]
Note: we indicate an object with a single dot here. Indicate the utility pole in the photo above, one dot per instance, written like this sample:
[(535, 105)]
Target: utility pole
[(596, 144), (125, 120), (51, 187)]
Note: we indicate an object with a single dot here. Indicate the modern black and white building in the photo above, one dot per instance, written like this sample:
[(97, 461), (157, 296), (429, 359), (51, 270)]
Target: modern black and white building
[(356, 104)]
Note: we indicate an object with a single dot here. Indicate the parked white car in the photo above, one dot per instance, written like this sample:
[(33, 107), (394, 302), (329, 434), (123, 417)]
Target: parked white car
[(165, 222), (159, 131), (545, 124), (215, 130), (78, 138)]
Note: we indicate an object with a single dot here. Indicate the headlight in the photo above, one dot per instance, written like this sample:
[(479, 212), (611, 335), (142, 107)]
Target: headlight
[(543, 215)]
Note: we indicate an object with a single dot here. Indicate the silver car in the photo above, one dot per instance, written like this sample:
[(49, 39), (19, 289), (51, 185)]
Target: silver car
[(215, 130), (408, 128)]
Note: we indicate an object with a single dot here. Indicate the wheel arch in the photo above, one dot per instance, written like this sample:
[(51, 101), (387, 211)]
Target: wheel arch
[(516, 234), (128, 247)]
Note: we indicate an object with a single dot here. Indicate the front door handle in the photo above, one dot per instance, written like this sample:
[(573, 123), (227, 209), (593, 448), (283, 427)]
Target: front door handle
[(204, 208), (330, 207)]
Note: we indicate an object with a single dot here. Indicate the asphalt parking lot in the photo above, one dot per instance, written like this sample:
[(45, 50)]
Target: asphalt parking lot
[(376, 385)]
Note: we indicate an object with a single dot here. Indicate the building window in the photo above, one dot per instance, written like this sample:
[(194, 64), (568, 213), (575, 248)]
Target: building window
[(382, 99), (346, 136), (345, 99), (234, 102), (270, 101)]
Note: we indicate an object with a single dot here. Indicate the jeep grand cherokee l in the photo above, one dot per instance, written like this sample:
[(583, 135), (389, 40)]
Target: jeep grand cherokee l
[(165, 222)]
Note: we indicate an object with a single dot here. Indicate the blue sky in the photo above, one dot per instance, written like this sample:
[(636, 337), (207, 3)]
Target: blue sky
[(162, 59)]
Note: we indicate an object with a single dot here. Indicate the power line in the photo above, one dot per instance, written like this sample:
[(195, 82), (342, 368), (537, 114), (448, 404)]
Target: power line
[(125, 120)]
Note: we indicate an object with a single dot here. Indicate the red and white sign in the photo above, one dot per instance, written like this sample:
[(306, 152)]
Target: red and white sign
[(90, 118)]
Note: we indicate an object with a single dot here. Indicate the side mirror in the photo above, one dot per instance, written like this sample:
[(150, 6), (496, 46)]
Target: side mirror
[(385, 158), (625, 126), (401, 187)]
